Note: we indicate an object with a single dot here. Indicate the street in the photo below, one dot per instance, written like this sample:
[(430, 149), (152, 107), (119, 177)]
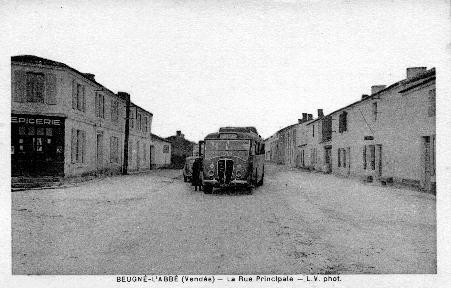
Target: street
[(296, 223)]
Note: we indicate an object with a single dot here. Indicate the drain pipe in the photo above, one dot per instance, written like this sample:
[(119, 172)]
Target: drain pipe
[(126, 97)]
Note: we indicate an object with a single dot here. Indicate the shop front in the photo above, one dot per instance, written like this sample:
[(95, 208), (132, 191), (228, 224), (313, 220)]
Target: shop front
[(37, 145)]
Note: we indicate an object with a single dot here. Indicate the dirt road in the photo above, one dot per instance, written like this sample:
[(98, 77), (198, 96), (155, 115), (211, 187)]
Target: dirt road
[(296, 223)]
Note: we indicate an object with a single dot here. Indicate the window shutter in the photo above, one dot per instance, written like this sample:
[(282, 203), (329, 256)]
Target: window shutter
[(103, 106), (74, 94), (73, 145), (97, 104), (83, 151), (84, 99), (364, 157), (19, 88), (50, 89)]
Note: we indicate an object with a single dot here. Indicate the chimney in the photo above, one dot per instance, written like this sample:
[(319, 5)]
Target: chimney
[(304, 117), (178, 133), (414, 71), (299, 121), (310, 117), (320, 113), (377, 88), (90, 76), (365, 96)]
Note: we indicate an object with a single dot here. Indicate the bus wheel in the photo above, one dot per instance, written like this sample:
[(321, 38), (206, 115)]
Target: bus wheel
[(184, 179), (208, 189), (249, 190)]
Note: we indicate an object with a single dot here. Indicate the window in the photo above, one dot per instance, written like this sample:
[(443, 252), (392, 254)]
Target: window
[(166, 149), (431, 100), (343, 122), (344, 157), (100, 105), (78, 145), (35, 87), (364, 157), (145, 125), (114, 149), (78, 97), (372, 157), (339, 157), (374, 110), (139, 124), (114, 110), (313, 131)]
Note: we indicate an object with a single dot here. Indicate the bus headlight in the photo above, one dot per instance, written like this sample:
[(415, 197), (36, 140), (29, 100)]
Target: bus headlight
[(238, 174), (211, 173), (212, 166)]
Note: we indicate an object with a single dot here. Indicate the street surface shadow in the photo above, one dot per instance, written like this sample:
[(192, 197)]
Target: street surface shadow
[(232, 191)]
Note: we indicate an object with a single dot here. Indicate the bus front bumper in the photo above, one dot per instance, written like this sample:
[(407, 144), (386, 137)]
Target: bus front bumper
[(215, 183)]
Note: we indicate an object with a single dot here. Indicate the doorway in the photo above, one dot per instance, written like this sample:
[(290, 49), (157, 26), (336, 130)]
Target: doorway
[(99, 152)]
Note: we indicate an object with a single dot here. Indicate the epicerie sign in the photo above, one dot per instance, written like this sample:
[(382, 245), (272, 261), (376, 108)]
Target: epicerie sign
[(35, 121)]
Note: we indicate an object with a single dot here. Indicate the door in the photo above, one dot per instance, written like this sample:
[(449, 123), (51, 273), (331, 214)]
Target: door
[(379, 159), (152, 156), (427, 162), (99, 152), (328, 159), (137, 155)]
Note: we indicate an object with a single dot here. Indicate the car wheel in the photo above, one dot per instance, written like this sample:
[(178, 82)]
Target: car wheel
[(208, 189)]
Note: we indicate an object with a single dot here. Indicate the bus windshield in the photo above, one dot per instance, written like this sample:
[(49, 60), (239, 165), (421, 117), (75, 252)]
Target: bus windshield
[(227, 145)]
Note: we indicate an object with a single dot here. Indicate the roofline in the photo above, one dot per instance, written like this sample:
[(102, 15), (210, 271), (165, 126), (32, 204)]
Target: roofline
[(61, 65), (133, 104), (418, 84), (49, 62), (159, 138)]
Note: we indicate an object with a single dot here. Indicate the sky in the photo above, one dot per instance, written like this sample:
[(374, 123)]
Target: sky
[(200, 65)]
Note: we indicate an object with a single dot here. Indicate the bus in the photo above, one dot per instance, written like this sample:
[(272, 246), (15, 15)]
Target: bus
[(234, 156)]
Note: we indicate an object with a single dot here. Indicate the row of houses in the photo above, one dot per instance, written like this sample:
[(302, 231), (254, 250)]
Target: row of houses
[(65, 123), (389, 135)]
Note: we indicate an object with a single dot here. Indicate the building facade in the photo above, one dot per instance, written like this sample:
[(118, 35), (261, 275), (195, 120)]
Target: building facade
[(64, 123), (388, 135), (160, 152), (181, 148)]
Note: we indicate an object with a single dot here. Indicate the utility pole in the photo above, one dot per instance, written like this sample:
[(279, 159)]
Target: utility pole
[(126, 96)]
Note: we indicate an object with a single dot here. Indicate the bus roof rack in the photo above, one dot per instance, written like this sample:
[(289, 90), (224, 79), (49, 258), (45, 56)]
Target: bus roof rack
[(248, 129)]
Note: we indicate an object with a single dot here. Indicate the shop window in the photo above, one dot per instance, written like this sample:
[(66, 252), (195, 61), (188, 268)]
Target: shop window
[(35, 87), (22, 130), (49, 131), (37, 144), (31, 130), (40, 131)]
